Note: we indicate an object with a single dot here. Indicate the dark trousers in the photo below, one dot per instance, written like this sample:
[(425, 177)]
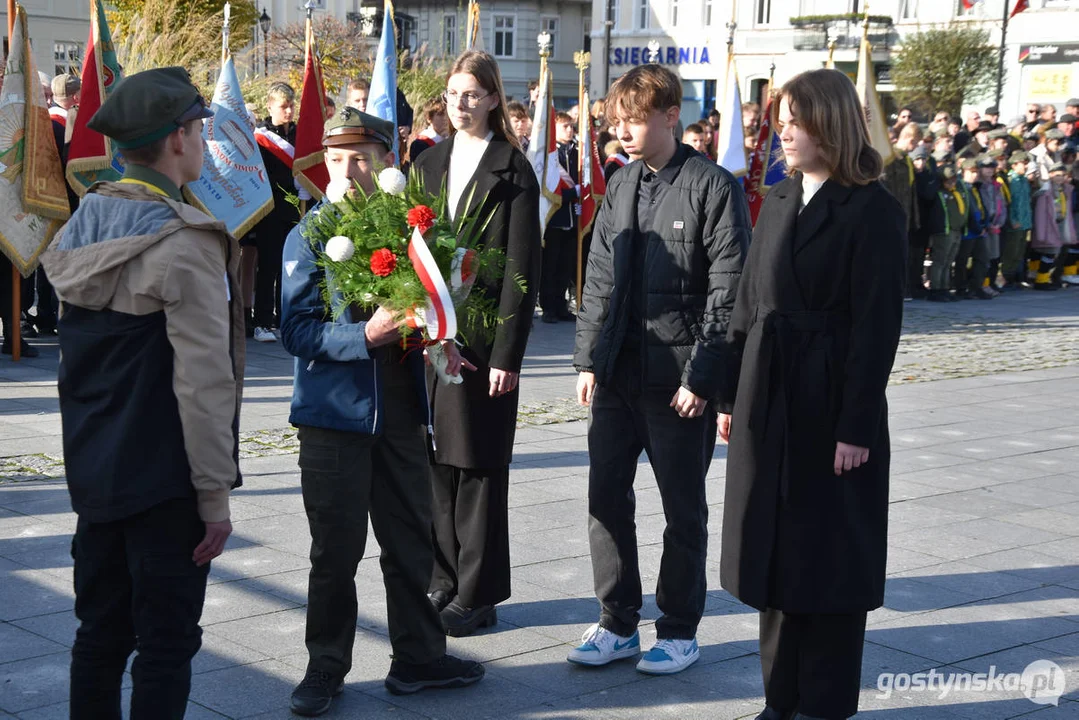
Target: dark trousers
[(625, 419), (136, 588), (344, 477), (559, 266), (46, 302), (971, 264), (812, 663), (1012, 251), (918, 242), (472, 537), (268, 281), (6, 305)]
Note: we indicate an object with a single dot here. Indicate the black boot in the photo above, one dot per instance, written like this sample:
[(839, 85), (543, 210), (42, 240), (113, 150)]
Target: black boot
[(773, 714), (440, 599), (315, 693), (446, 672), (459, 621)]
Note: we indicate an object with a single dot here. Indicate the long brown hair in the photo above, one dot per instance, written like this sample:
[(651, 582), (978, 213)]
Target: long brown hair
[(483, 67), (828, 108)]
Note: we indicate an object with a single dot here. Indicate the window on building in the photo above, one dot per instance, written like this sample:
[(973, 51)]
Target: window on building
[(550, 24), (706, 16), (586, 41), (643, 15), (67, 57), (674, 13), (616, 13), (764, 12), (505, 35), (449, 34)]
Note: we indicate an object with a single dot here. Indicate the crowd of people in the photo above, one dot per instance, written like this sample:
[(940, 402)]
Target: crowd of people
[(693, 324), (990, 206)]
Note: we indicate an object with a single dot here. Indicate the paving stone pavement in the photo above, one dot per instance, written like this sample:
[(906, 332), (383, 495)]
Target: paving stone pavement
[(983, 567)]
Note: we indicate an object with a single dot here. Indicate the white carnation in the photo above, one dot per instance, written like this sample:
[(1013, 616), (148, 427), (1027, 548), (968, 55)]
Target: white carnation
[(339, 248), (336, 189), (392, 181)]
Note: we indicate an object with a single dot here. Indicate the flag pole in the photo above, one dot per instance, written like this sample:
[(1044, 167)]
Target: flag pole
[(15, 331), (309, 51), (225, 35), (1000, 58), (584, 125)]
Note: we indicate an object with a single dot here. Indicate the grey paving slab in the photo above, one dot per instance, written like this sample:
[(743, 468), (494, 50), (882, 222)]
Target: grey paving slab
[(983, 560), (34, 682), (19, 644)]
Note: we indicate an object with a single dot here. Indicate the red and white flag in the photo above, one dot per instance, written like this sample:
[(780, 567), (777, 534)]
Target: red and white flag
[(1020, 6), (543, 152), (309, 165), (593, 186)]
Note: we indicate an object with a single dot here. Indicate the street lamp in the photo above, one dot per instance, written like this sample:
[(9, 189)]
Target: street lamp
[(264, 23), (653, 51)]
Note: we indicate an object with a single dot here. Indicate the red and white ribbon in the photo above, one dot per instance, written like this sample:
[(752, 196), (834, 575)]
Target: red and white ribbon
[(439, 316), (281, 148)]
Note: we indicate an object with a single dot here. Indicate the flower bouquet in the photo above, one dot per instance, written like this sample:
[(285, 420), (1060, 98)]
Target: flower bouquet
[(397, 248)]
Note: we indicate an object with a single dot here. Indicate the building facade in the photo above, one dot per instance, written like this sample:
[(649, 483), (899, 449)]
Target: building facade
[(508, 29), (58, 33), (1041, 55)]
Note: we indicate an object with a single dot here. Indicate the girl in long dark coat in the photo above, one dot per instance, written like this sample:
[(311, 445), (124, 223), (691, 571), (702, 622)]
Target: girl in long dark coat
[(816, 326), (475, 421)]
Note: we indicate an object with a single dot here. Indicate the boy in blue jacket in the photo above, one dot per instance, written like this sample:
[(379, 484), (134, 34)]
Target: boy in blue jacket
[(360, 404)]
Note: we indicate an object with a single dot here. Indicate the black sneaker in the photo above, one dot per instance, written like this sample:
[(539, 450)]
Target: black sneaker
[(446, 672), (315, 693)]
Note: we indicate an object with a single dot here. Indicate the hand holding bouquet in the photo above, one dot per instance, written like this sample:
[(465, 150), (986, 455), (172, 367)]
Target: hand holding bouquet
[(397, 248)]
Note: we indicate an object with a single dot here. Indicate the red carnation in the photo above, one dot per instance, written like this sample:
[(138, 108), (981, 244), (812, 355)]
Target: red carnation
[(383, 262), (422, 217)]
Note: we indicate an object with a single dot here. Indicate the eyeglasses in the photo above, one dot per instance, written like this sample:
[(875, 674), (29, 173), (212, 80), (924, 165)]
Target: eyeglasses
[(467, 100), (1032, 111)]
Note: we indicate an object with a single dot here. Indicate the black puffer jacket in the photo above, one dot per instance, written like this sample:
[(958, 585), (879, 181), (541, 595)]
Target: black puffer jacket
[(692, 264)]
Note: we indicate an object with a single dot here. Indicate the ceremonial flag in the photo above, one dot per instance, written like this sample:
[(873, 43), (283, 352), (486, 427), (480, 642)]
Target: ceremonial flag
[(33, 198), (969, 4), (732, 139), (593, 186), (1020, 6), (233, 187), (473, 33), (867, 92), (766, 165), (92, 156), (543, 151), (309, 165), (382, 99)]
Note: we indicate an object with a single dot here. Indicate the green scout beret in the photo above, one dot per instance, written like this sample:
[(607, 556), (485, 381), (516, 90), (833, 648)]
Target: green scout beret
[(349, 126), (1054, 134), (985, 161), (998, 134), (1058, 167), (947, 172), (970, 164), (1019, 157), (149, 105), (996, 154)]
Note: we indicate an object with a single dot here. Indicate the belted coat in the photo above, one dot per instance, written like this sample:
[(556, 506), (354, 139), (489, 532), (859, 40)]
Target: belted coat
[(816, 325)]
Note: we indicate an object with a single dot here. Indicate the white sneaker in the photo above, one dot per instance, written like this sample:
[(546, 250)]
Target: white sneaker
[(600, 646), (668, 657), (1070, 279), (263, 335)]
